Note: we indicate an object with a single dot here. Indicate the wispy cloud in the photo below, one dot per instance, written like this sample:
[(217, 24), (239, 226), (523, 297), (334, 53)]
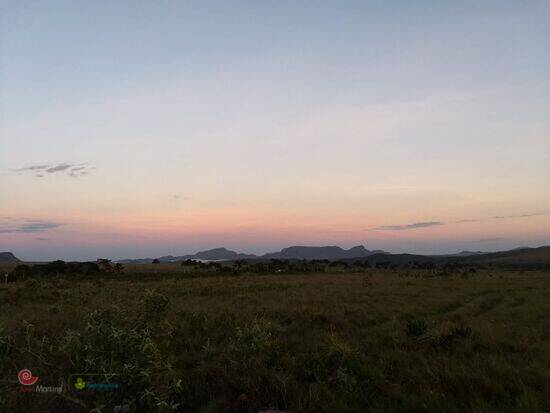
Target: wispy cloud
[(74, 170), (427, 224), (29, 226), (533, 214), (489, 239), (176, 198), (58, 168), (33, 168), (501, 217), (406, 227)]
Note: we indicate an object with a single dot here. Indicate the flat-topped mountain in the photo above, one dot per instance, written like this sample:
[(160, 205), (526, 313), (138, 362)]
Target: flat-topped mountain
[(320, 253), (8, 257)]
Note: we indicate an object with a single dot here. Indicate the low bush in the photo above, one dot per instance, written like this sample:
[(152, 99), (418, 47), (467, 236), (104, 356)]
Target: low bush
[(416, 327)]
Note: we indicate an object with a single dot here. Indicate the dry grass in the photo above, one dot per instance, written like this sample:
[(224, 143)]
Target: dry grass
[(318, 342)]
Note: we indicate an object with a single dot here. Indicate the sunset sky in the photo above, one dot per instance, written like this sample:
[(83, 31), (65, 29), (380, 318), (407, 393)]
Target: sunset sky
[(139, 129)]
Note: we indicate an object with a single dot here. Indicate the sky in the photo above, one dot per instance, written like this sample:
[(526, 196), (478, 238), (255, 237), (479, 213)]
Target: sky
[(138, 129)]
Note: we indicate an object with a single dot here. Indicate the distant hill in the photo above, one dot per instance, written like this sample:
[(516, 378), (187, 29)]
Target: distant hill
[(517, 256), (320, 253), (8, 257), (395, 258), (468, 253), (464, 254), (136, 261), (215, 254), (522, 257)]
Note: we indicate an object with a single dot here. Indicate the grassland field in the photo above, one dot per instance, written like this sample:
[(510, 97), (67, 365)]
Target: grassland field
[(370, 341)]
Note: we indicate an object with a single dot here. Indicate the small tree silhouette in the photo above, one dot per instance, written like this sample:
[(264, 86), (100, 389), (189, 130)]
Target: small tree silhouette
[(105, 265)]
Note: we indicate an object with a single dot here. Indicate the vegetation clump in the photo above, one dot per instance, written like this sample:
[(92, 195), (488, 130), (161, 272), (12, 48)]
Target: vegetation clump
[(65, 269), (416, 327)]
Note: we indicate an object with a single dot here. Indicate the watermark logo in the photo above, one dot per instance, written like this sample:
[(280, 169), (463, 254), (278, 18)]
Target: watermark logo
[(92, 382), (79, 383), (29, 385), (26, 378)]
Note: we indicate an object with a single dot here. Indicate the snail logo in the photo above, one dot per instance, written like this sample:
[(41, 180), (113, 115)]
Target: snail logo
[(79, 384), (26, 378)]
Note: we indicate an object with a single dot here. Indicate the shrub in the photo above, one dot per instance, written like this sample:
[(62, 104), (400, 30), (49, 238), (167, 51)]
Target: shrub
[(20, 272), (118, 268), (105, 265), (254, 342), (86, 268), (54, 308), (416, 327), (56, 267), (337, 374), (155, 303)]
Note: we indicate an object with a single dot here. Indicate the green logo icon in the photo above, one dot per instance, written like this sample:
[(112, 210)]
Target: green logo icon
[(79, 384)]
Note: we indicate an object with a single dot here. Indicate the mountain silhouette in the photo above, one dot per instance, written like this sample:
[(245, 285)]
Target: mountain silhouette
[(289, 253), (320, 253), (8, 257)]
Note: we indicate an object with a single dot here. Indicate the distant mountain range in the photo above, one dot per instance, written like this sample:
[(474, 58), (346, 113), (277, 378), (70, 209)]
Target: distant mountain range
[(523, 257), (290, 253), (8, 257)]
